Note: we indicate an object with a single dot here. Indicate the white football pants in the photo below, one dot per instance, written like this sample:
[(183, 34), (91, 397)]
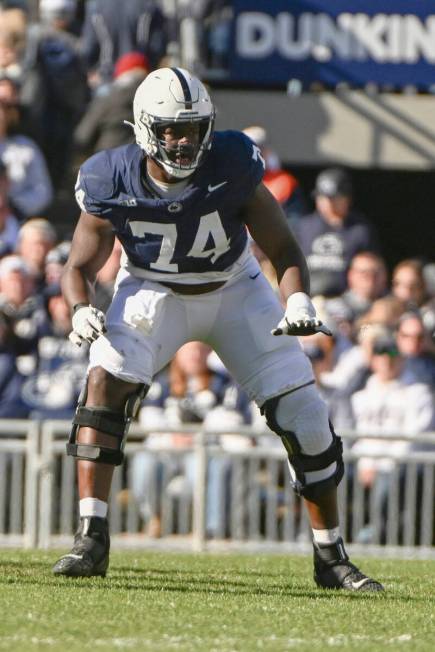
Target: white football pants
[(147, 323)]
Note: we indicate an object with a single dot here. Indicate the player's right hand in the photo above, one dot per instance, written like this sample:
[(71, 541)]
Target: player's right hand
[(88, 324)]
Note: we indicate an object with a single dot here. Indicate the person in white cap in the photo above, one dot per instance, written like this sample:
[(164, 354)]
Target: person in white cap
[(22, 308), (58, 10)]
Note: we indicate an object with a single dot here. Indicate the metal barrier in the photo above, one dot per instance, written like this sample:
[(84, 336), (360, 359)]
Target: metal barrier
[(234, 499), (404, 513), (19, 467), (58, 493)]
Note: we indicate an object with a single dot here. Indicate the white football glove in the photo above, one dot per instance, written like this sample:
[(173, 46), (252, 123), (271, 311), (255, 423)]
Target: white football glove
[(300, 318), (88, 324)]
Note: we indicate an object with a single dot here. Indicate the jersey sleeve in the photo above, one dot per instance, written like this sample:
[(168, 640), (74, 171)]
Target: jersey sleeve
[(95, 185), (246, 161)]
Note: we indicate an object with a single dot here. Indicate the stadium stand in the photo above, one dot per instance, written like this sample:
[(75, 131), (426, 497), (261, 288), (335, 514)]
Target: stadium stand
[(381, 292)]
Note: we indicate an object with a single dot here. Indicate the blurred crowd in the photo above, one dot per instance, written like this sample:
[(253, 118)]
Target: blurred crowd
[(60, 72), (63, 62)]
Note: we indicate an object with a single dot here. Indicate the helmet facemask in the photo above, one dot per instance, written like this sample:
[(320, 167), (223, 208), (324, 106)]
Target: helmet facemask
[(182, 158)]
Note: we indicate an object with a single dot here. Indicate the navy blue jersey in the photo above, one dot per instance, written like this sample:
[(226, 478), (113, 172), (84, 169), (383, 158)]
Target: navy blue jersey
[(197, 232)]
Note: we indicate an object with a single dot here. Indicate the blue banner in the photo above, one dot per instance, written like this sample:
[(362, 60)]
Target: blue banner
[(387, 42)]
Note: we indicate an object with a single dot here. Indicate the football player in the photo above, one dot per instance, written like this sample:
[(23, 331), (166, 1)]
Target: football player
[(181, 200)]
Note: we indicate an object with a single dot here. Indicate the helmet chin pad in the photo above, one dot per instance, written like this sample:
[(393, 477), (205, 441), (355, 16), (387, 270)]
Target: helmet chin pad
[(178, 173)]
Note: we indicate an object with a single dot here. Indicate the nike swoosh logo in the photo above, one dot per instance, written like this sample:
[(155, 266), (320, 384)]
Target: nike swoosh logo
[(73, 556), (219, 185), (358, 585), (254, 275)]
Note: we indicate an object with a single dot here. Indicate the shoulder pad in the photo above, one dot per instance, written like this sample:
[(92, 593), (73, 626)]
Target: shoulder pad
[(245, 157), (97, 176), (95, 183)]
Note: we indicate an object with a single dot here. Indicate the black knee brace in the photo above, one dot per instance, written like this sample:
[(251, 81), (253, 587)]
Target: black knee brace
[(302, 463), (106, 420)]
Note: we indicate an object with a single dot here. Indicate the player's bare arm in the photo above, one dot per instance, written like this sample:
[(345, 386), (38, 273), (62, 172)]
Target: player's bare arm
[(91, 247), (267, 224)]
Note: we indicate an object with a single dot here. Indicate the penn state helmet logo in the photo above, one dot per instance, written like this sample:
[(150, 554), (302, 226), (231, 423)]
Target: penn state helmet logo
[(175, 207)]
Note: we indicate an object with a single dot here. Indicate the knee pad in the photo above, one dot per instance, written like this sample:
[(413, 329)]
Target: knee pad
[(104, 419), (315, 452)]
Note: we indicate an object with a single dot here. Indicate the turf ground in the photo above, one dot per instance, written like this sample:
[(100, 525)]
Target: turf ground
[(156, 601)]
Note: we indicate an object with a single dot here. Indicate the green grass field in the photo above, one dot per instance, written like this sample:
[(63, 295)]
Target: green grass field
[(155, 601)]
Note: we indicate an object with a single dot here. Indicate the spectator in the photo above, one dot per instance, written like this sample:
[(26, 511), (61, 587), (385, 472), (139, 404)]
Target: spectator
[(352, 368), (321, 350), (185, 28), (11, 381), (14, 269), (408, 284), (13, 14), (354, 341), (13, 21), (10, 97), (102, 126), (353, 365), (429, 278), (10, 54), (30, 185), (217, 28), (21, 309), (428, 308), (391, 406), (52, 390), (332, 235), (8, 222), (55, 261), (366, 280), (414, 345), (108, 33), (55, 89), (385, 311), (35, 239), (199, 35), (283, 185)]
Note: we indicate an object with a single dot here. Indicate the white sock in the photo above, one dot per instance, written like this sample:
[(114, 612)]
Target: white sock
[(326, 536), (93, 507)]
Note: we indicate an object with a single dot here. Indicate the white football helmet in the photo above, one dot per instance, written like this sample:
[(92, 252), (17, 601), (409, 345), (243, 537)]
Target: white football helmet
[(172, 96)]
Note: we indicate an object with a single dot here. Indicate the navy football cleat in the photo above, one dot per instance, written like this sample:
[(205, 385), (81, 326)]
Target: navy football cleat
[(89, 555), (333, 570)]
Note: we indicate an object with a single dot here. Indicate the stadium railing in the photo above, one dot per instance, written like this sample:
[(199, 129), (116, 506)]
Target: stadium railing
[(19, 477), (254, 506)]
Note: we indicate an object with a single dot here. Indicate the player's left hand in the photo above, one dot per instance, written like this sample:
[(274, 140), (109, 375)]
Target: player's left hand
[(300, 318), (88, 324)]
